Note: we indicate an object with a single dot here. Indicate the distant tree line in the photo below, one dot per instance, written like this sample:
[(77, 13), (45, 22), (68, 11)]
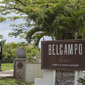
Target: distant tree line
[(9, 49)]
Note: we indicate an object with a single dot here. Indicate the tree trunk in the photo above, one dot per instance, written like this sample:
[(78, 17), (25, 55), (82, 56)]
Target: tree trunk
[(53, 38)]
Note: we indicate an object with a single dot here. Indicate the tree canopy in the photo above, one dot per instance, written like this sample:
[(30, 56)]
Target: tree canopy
[(55, 18)]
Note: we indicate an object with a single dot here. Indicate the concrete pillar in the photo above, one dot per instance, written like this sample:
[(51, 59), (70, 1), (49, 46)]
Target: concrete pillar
[(38, 81), (76, 78), (48, 78)]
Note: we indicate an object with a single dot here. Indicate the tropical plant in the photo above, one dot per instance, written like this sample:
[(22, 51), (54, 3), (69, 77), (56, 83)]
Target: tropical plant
[(82, 81), (33, 10), (75, 23), (61, 22), (48, 24), (43, 16)]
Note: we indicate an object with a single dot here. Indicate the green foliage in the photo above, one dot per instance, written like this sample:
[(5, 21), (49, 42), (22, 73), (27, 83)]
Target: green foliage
[(33, 53), (82, 81), (54, 18), (2, 19), (13, 81), (26, 6), (9, 49), (1, 36), (75, 23), (48, 23), (8, 52)]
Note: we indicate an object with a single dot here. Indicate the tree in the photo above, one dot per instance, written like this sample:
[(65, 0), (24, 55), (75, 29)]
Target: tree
[(9, 49), (59, 23), (29, 6), (34, 9), (2, 19), (75, 23), (8, 53), (25, 7), (1, 36), (47, 24)]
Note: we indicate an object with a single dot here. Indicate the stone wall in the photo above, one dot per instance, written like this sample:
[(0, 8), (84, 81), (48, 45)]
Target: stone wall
[(27, 71), (65, 77), (19, 68)]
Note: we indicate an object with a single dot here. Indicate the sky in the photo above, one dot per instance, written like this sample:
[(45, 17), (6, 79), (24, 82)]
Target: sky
[(5, 29)]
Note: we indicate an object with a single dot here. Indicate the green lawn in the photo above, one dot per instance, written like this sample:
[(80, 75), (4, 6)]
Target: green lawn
[(12, 81), (7, 66)]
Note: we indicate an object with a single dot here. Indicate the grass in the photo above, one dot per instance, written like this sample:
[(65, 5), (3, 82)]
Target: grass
[(7, 66), (13, 81)]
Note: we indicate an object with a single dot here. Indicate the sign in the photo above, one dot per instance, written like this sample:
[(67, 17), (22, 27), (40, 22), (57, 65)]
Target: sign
[(63, 55)]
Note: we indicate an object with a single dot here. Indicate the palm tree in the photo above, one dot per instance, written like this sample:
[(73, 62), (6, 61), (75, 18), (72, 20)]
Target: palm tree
[(47, 24), (62, 22), (75, 24)]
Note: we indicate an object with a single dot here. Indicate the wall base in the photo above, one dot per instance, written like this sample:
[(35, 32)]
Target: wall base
[(48, 78)]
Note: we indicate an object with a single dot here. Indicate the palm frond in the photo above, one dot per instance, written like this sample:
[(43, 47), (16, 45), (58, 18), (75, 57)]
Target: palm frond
[(31, 32), (82, 80), (37, 37)]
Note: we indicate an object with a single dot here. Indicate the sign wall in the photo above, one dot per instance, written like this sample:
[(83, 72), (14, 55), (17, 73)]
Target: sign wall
[(63, 55)]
